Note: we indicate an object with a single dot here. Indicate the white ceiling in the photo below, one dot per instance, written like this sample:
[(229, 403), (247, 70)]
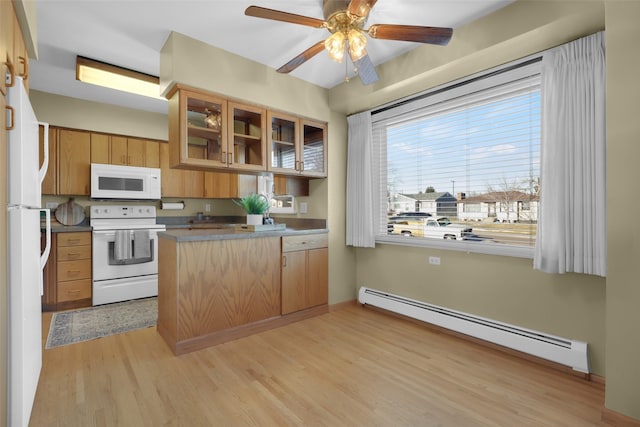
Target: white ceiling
[(130, 33)]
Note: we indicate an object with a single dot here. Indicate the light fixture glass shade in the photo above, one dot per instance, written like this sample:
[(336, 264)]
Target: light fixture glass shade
[(213, 120), (111, 76), (357, 44), (335, 46)]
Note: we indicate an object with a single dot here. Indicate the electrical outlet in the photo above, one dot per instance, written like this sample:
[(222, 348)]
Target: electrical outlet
[(51, 205), (303, 207), (434, 260), (207, 207)]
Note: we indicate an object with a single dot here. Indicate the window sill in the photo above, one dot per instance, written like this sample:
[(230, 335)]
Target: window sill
[(460, 246)]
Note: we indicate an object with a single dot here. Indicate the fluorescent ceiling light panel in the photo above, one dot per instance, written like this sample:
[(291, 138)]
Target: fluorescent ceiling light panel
[(114, 77)]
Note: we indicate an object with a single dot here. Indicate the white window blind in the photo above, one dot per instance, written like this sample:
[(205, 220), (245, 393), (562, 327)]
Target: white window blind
[(470, 152)]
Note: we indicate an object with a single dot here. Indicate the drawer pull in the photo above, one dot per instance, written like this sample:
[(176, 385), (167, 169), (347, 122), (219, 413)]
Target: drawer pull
[(73, 291), (284, 261), (73, 271)]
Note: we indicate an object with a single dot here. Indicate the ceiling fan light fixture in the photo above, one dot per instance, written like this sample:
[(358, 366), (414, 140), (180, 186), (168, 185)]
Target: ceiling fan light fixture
[(335, 46), (357, 44)]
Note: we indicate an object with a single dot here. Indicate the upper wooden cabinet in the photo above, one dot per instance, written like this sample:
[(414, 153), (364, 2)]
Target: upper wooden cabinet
[(313, 149), (176, 182), (284, 141), (210, 132), (121, 150), (197, 130), (74, 162), (247, 142), (6, 45), (134, 152), (20, 54), (297, 146), (290, 185)]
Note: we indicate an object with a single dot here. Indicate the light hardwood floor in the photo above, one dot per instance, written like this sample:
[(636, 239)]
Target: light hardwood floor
[(351, 367)]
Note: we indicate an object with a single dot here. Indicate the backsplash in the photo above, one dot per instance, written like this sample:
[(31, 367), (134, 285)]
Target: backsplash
[(191, 206)]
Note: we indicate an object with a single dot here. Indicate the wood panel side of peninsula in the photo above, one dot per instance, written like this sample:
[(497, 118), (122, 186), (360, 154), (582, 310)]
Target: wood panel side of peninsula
[(213, 291)]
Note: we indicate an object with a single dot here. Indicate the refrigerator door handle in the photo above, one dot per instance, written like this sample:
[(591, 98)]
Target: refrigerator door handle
[(45, 162), (45, 254)]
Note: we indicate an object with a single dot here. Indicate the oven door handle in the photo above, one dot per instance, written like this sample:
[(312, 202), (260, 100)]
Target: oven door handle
[(131, 261)]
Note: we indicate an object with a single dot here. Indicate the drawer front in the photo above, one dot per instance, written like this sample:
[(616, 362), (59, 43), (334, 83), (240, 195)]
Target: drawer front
[(70, 253), (308, 241), (74, 290), (82, 238), (73, 270)]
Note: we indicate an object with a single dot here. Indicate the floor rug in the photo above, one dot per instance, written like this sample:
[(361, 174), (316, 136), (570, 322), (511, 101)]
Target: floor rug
[(70, 327)]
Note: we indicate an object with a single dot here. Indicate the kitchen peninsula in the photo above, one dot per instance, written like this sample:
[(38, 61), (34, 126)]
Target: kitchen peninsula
[(220, 284)]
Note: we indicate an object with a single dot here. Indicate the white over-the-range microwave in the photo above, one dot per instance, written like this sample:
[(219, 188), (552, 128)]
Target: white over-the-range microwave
[(124, 182)]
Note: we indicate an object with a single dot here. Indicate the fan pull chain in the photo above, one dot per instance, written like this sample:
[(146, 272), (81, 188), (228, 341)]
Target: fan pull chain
[(346, 71)]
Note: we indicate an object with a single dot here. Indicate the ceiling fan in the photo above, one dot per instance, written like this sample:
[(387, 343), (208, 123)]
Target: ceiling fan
[(345, 21)]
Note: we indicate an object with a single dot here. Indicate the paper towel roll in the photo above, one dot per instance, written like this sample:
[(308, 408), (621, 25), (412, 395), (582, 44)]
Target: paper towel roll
[(174, 206)]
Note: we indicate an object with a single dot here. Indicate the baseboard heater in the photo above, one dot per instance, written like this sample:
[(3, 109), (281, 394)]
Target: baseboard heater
[(560, 350)]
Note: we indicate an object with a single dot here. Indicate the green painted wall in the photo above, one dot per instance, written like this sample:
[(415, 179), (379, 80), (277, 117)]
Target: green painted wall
[(623, 236)]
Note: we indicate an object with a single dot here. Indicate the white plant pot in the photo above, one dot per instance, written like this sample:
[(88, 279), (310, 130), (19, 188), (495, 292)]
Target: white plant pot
[(254, 219)]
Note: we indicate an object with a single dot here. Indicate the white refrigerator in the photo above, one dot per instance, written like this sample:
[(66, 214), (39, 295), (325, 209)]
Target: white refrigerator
[(25, 260)]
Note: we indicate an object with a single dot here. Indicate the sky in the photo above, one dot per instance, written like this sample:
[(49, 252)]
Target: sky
[(489, 146)]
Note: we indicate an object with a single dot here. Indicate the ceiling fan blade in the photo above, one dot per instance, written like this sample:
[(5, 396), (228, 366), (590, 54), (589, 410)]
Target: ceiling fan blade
[(276, 15), (361, 8), (411, 33), (302, 58), (366, 70)]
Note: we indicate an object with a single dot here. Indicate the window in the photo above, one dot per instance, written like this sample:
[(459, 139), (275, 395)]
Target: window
[(472, 150)]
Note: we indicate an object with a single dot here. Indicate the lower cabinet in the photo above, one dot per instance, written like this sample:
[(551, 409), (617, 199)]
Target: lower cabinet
[(305, 272), (67, 275)]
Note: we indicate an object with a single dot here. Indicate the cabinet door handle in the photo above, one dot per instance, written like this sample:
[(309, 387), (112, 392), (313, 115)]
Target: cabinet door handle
[(25, 66), (301, 166), (12, 114), (229, 158), (284, 260), (223, 158)]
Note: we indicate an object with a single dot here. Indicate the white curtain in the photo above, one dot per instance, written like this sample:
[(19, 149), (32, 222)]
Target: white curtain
[(572, 221), (360, 228)]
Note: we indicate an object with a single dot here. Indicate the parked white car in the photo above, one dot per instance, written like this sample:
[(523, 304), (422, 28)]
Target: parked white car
[(441, 228)]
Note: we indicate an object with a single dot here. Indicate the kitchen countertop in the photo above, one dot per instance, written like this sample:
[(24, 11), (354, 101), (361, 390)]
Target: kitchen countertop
[(227, 233), (189, 229)]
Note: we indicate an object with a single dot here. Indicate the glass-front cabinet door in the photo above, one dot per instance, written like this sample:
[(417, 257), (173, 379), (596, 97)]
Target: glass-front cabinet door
[(313, 149), (283, 143), (197, 131), (247, 143)]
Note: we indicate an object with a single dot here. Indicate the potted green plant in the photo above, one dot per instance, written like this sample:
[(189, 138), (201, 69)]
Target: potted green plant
[(255, 205)]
